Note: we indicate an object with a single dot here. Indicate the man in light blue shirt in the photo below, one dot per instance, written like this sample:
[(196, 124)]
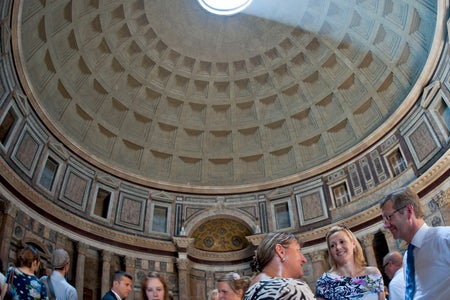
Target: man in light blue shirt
[(403, 215), (57, 285)]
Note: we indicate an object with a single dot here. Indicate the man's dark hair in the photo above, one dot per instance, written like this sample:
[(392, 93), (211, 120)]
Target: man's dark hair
[(117, 276)]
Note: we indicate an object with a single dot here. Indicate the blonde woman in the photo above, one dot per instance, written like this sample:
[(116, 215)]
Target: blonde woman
[(232, 286), (213, 295), (349, 277)]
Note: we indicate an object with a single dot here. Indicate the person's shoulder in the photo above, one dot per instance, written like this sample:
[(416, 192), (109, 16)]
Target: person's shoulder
[(439, 233), (289, 280), (326, 276), (108, 296), (369, 270), (71, 292), (443, 230)]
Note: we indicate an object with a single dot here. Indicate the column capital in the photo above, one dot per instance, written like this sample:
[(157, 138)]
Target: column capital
[(387, 234), (130, 262), (183, 263), (255, 239), (442, 198), (367, 240), (106, 255), (182, 242), (209, 275), (8, 208), (318, 255), (82, 248)]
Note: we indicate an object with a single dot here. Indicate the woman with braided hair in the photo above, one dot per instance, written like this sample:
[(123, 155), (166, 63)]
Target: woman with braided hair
[(279, 266)]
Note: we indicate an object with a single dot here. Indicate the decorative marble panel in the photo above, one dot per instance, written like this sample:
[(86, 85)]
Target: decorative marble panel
[(378, 166), (312, 206), (367, 173), (354, 179), (131, 210), (75, 188), (27, 151), (422, 141)]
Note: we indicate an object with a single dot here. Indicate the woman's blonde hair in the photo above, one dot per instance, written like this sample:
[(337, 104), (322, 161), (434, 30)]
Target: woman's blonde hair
[(213, 295), (236, 282), (359, 258)]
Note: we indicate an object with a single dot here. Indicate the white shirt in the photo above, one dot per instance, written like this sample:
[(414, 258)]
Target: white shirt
[(431, 262), (397, 286)]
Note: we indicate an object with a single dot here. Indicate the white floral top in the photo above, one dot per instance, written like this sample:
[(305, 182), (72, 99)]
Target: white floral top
[(26, 287), (335, 287)]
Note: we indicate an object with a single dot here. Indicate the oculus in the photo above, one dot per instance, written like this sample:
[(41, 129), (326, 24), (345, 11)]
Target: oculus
[(224, 7)]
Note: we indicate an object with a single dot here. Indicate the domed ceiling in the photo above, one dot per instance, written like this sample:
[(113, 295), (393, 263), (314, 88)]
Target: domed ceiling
[(167, 94), (221, 235)]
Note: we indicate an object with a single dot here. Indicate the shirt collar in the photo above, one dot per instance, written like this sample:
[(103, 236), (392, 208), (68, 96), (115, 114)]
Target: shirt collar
[(398, 271), (420, 236), (117, 295)]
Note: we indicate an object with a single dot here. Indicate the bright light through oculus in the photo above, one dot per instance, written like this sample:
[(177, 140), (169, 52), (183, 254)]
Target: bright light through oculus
[(224, 7)]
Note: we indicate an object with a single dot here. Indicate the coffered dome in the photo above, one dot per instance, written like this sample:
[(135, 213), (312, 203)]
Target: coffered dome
[(167, 94)]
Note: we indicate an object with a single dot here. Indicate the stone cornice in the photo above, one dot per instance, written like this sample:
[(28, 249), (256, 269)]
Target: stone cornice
[(221, 256), (81, 229), (428, 178)]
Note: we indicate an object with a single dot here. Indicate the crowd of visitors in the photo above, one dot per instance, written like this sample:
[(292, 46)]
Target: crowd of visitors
[(421, 273)]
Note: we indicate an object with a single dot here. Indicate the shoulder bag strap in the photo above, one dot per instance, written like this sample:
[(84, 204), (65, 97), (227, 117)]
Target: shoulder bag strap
[(50, 287), (11, 276)]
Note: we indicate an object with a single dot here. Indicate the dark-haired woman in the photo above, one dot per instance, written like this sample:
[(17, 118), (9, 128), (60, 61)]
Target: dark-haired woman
[(279, 262), (25, 284)]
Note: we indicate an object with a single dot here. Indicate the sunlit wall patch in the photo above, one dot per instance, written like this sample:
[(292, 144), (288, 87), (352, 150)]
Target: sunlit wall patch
[(224, 7)]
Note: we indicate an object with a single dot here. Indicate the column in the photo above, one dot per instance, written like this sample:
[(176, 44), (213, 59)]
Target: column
[(10, 213), (367, 245), (79, 273), (319, 262), (106, 271), (210, 281), (130, 267), (442, 200), (183, 264), (391, 242)]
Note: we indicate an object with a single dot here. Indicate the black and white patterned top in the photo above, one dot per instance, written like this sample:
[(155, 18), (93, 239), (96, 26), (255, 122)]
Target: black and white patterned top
[(279, 289)]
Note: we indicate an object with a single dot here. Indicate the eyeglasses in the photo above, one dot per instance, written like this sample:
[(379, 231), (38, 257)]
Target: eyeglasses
[(385, 265), (388, 217)]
